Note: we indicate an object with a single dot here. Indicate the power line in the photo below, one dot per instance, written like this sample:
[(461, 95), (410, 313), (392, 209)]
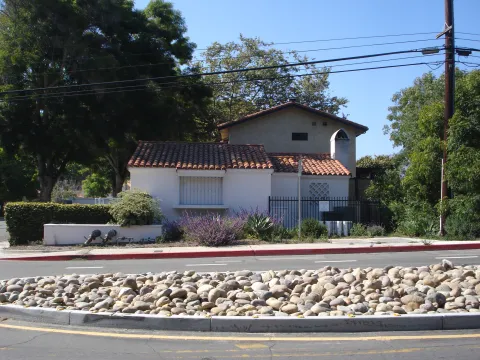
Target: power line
[(349, 38), (470, 64), (332, 48), (219, 72), (467, 33), (476, 40), (143, 87), (246, 80), (290, 52)]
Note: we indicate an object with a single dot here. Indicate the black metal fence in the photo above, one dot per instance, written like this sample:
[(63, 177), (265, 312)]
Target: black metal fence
[(326, 209)]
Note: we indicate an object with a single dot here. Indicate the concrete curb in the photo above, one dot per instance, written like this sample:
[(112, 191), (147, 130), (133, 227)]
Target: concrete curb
[(366, 323), (251, 252)]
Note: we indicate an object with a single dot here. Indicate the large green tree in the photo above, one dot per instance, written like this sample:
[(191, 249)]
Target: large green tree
[(17, 177), (238, 94), (417, 118), (70, 44)]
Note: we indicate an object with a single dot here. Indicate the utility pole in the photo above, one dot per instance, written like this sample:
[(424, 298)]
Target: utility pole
[(449, 95), (300, 170)]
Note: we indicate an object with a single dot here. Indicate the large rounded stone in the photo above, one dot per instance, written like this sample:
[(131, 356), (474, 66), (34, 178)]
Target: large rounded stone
[(289, 308), (279, 291), (412, 298), (437, 298), (14, 287), (141, 305), (274, 303), (178, 293), (214, 294), (259, 286)]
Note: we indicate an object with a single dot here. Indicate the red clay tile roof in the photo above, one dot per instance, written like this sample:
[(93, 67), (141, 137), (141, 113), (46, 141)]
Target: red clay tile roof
[(287, 105), (313, 164), (199, 156)]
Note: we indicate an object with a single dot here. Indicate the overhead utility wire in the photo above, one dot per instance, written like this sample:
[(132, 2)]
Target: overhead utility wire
[(219, 72), (93, 92), (246, 80), (223, 57)]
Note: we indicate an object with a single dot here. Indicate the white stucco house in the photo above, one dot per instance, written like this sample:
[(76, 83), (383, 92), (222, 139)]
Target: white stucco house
[(256, 159)]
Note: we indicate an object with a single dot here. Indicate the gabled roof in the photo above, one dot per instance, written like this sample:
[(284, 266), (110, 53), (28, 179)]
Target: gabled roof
[(199, 156), (312, 164), (291, 104)]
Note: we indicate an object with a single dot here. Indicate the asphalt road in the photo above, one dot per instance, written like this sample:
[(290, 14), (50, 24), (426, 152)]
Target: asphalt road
[(10, 268), (67, 343)]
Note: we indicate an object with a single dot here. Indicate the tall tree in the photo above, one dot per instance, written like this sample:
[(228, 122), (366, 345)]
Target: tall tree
[(50, 43), (17, 177), (417, 126), (238, 94)]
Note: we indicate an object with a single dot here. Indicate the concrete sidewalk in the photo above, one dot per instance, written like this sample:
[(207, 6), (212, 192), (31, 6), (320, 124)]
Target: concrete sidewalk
[(337, 246)]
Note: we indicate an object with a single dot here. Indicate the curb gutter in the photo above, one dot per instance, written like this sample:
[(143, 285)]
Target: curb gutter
[(364, 323), (251, 252)]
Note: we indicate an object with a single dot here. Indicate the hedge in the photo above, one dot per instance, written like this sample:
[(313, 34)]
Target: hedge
[(25, 220)]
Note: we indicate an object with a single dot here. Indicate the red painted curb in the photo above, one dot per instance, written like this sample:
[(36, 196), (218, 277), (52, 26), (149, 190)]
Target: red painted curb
[(238, 253)]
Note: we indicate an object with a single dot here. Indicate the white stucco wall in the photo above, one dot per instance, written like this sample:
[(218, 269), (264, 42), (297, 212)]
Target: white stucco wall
[(241, 188), (162, 184), (73, 234), (247, 189), (274, 131), (285, 184)]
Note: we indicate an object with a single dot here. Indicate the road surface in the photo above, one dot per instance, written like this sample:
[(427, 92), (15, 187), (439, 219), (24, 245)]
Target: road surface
[(10, 268), (27, 341)]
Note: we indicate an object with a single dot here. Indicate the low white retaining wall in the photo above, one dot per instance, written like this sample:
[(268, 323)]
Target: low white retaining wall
[(73, 234)]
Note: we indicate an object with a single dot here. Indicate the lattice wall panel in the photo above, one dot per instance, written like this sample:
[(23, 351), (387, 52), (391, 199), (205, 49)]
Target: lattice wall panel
[(319, 190)]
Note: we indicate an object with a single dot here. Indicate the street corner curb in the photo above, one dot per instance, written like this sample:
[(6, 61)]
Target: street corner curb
[(461, 321), (135, 321), (251, 252), (327, 324), (35, 314), (262, 324)]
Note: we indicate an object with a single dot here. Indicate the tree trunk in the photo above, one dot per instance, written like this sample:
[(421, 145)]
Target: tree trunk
[(46, 186), (119, 180)]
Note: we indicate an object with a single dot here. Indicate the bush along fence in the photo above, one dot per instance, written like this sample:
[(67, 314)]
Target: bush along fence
[(327, 209)]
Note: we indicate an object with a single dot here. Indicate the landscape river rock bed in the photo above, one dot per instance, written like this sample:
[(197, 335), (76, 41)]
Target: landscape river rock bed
[(328, 291)]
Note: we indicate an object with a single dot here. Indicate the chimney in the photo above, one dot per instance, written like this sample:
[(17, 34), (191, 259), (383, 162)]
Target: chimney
[(339, 148)]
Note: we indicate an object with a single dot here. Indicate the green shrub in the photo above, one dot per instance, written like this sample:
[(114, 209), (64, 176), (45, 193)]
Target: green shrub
[(358, 230), (280, 232), (260, 226), (135, 207), (314, 229), (418, 219), (25, 220), (375, 230), (463, 219)]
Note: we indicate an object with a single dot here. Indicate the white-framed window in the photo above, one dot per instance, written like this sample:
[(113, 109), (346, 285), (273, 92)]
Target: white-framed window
[(201, 190)]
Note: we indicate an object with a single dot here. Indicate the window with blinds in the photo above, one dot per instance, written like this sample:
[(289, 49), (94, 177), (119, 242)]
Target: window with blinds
[(201, 190)]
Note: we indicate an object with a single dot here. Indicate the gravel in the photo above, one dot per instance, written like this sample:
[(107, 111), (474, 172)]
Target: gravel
[(328, 291)]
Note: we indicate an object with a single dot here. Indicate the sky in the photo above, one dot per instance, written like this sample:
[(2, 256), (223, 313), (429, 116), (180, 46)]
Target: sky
[(369, 92)]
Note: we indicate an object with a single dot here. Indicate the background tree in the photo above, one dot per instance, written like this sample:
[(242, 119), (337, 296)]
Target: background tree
[(50, 43), (238, 94), (96, 185), (417, 126), (386, 183), (17, 177)]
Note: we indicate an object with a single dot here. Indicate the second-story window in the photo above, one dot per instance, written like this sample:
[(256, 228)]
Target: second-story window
[(300, 136)]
